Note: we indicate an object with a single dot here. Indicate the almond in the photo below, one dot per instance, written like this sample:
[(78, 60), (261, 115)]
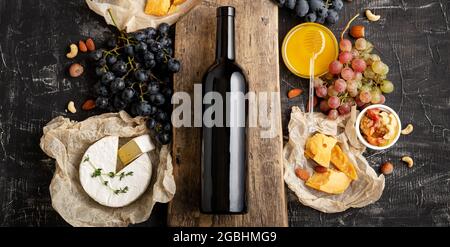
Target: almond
[(76, 70), (302, 174), (358, 31), (88, 105), (90, 44), (294, 93), (320, 169), (82, 46)]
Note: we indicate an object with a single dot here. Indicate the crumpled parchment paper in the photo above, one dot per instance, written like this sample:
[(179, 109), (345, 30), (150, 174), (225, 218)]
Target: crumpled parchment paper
[(362, 192), (130, 16), (66, 141)]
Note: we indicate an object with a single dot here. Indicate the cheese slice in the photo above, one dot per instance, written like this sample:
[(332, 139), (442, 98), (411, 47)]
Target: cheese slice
[(178, 2), (318, 148), (134, 149), (106, 186), (342, 163), (157, 7), (332, 182)]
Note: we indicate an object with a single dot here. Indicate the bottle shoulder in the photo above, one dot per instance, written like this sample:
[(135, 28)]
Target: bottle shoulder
[(223, 69)]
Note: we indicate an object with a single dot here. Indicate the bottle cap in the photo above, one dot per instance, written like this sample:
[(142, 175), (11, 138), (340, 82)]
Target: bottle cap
[(225, 11)]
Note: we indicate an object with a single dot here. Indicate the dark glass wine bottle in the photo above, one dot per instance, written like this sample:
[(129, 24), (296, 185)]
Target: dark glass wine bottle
[(224, 159)]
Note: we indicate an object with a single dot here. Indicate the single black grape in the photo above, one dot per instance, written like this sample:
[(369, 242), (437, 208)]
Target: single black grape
[(144, 109), (337, 4), (96, 55), (117, 85), (164, 29), (174, 65), (322, 13), (128, 94), (101, 62), (156, 47), (141, 47), (108, 77), (159, 99), (140, 36), (290, 4), (102, 102), (165, 42), (315, 5), (150, 64), (120, 67), (153, 87), (164, 138), (129, 50), (311, 17), (151, 123), (100, 71), (167, 127), (150, 32), (111, 59), (332, 17), (160, 57), (301, 8), (162, 116), (140, 75)]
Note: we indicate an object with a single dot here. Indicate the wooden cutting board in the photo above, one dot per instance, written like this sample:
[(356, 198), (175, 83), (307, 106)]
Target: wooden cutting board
[(257, 53)]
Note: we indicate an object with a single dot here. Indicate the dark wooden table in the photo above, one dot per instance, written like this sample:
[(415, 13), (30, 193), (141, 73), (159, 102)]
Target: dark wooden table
[(413, 38)]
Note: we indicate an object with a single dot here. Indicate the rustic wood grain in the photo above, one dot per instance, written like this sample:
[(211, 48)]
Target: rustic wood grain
[(257, 53)]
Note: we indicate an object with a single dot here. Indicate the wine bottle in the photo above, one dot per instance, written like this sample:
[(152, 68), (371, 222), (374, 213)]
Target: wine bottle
[(224, 159)]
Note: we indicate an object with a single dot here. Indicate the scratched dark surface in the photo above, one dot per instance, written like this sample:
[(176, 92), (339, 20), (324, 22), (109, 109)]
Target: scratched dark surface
[(412, 37)]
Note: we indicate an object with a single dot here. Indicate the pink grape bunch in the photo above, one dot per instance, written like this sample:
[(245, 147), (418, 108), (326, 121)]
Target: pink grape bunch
[(358, 77)]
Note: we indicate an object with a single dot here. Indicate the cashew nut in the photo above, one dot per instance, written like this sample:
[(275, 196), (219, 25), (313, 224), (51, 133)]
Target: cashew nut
[(408, 160), (371, 16), (73, 51), (71, 107), (408, 130)]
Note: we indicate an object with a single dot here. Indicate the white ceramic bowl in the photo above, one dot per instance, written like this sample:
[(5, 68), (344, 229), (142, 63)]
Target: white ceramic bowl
[(358, 130)]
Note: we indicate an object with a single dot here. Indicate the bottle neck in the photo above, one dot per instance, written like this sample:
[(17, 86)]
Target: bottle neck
[(225, 47)]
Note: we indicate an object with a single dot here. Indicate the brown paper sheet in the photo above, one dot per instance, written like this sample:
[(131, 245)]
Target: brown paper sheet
[(66, 141), (130, 16)]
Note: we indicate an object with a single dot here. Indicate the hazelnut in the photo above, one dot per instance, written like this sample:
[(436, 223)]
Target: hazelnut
[(358, 31), (387, 168), (320, 169), (76, 70)]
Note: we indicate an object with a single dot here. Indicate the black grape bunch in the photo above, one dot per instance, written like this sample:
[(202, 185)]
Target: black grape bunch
[(319, 11), (134, 74)]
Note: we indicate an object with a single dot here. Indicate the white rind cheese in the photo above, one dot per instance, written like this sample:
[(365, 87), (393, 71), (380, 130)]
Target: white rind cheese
[(108, 187)]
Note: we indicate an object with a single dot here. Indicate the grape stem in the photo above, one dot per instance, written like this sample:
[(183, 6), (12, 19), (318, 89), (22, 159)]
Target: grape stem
[(348, 26)]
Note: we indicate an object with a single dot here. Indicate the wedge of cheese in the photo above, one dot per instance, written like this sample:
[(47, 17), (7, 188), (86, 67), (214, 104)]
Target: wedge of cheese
[(134, 149), (318, 148), (332, 182), (102, 183), (157, 7), (342, 163)]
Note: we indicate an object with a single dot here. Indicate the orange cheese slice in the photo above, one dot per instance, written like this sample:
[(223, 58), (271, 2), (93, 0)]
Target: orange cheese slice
[(332, 182), (178, 2), (342, 163), (318, 148), (157, 7)]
